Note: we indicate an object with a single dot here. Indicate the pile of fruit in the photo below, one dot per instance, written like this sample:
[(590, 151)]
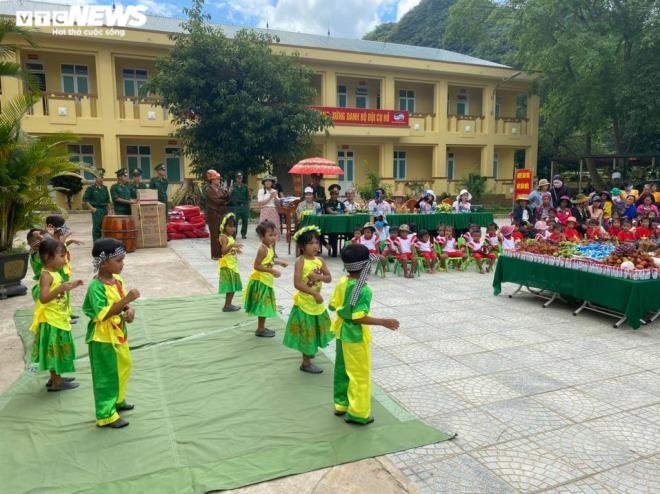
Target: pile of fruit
[(186, 222), (630, 257), (539, 247)]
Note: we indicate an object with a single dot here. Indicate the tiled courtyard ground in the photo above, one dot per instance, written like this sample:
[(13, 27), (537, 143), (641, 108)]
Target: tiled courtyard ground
[(542, 401)]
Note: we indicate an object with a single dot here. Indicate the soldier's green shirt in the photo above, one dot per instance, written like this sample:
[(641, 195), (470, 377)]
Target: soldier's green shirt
[(119, 191), (98, 197), (160, 184), (240, 196), (134, 188)]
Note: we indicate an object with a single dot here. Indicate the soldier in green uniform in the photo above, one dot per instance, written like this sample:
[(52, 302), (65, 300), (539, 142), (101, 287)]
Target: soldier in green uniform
[(239, 200), (136, 183), (121, 193), (97, 199), (160, 184)]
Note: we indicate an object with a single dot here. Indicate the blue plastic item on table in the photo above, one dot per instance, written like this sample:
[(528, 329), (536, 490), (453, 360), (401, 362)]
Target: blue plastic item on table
[(596, 251)]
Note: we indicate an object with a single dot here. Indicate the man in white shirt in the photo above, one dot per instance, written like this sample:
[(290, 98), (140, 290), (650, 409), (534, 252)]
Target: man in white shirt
[(350, 205), (378, 205)]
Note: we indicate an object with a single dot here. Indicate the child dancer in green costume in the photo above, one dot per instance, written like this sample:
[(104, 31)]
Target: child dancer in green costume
[(53, 347), (352, 301), (34, 238), (308, 327), (230, 278), (259, 294), (107, 306)]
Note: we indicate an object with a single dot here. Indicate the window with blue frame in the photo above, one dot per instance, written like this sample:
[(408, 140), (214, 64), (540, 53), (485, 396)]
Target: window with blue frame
[(399, 165), (82, 153), (139, 157)]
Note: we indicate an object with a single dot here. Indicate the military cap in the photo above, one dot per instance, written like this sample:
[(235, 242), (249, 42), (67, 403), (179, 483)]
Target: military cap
[(160, 167), (136, 172), (121, 172)]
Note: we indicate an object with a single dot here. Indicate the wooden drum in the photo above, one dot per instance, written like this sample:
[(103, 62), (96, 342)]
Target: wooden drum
[(122, 228)]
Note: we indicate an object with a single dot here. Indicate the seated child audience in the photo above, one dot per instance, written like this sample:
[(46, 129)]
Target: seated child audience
[(480, 251), (570, 232), (404, 244), (424, 246)]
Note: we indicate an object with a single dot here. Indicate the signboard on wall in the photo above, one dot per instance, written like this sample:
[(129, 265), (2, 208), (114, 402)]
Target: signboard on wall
[(522, 183), (365, 116)]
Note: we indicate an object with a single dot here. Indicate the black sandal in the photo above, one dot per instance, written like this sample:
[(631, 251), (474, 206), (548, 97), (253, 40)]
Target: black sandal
[(266, 333)]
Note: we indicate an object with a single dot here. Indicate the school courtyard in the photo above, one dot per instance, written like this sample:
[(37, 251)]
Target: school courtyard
[(541, 400)]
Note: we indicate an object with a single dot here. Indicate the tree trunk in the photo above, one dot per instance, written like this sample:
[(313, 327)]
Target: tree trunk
[(596, 179)]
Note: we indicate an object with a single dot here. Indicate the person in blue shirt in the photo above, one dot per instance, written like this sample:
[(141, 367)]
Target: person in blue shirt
[(631, 207)]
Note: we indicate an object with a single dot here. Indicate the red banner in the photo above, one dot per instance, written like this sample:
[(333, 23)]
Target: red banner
[(363, 116), (522, 183)]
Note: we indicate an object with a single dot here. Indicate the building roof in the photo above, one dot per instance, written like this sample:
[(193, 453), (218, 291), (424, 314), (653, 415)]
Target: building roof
[(172, 25)]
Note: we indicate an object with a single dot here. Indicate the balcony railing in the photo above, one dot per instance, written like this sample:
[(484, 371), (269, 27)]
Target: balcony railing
[(80, 105), (465, 124), (512, 126), (147, 110)]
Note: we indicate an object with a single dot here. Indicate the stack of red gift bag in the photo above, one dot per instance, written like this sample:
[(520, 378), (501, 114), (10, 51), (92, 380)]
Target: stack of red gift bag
[(186, 222)]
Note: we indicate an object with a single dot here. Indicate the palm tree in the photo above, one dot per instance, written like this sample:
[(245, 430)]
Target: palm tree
[(8, 67), (27, 163)]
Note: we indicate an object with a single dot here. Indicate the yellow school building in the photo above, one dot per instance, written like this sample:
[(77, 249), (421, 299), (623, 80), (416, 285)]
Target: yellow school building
[(409, 114)]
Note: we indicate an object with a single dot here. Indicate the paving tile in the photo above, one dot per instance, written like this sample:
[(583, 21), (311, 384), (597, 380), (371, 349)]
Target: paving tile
[(524, 416), (399, 377), (382, 358), (641, 476), (650, 413), (589, 451), (417, 352), (618, 394), (607, 368), (584, 486), (425, 454), (388, 338), (644, 357), (575, 405), (527, 382), (528, 336), (425, 401), (526, 466), (443, 369), (648, 381), (482, 390), (455, 346), (638, 435), (474, 428), (428, 333), (458, 474), (487, 362), (569, 372), (526, 355), (494, 341)]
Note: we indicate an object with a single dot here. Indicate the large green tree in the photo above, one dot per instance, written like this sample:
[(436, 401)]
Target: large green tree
[(600, 61), (237, 104)]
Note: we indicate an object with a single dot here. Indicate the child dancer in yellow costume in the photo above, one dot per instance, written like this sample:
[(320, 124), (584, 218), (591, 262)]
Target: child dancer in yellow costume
[(230, 278), (308, 327), (259, 294), (352, 301), (106, 305), (53, 347), (58, 229)]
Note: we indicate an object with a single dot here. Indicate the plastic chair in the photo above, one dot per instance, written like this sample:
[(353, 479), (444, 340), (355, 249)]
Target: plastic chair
[(398, 267), (455, 262), (410, 204)]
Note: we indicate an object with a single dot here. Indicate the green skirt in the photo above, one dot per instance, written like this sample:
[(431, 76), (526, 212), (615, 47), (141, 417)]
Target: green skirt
[(53, 349), (307, 333), (230, 281), (259, 300)]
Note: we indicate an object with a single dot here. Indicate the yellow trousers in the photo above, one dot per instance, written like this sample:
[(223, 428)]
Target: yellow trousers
[(352, 381)]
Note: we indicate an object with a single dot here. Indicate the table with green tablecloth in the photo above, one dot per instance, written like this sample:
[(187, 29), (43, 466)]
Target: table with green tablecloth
[(635, 299), (347, 223)]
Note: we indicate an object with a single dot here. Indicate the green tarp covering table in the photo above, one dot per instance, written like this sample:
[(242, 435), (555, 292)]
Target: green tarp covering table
[(633, 298), (346, 223)]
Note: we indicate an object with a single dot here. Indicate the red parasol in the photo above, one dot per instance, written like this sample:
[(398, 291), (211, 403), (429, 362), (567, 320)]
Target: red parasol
[(309, 166)]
